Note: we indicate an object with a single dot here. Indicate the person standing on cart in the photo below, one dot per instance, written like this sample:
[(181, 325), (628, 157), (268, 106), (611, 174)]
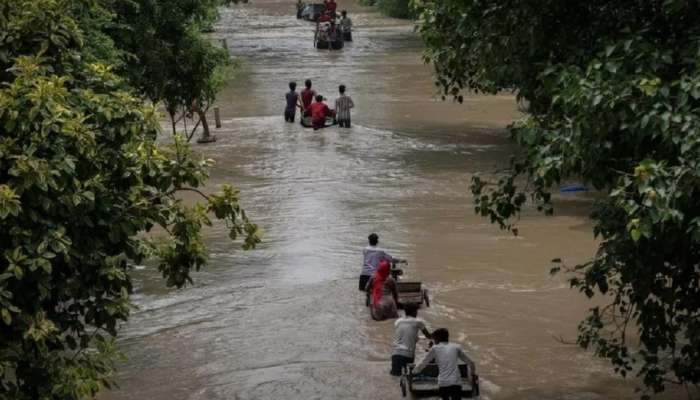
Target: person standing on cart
[(406, 331), (331, 7), (447, 356), (372, 256)]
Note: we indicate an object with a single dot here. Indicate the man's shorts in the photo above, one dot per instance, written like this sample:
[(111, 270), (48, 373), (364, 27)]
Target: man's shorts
[(363, 281), (399, 362), (289, 115), (453, 392)]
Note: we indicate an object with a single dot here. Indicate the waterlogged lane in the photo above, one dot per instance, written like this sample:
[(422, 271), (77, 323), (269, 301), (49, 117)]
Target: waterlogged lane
[(286, 321)]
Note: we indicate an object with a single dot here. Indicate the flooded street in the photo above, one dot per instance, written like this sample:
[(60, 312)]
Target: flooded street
[(286, 321)]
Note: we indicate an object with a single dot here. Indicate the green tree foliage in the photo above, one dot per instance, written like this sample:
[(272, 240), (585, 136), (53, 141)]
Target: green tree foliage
[(613, 89), (167, 57), (81, 180), (392, 8), (396, 8)]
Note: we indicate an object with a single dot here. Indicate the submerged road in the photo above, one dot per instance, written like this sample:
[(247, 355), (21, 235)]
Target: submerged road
[(286, 321)]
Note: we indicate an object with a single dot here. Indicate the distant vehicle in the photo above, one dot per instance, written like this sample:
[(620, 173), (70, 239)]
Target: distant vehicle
[(311, 11)]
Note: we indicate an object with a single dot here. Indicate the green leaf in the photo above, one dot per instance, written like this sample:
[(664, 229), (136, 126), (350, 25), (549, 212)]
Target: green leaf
[(6, 316), (636, 234)]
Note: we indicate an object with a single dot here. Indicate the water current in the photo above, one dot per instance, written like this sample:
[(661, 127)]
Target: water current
[(286, 321)]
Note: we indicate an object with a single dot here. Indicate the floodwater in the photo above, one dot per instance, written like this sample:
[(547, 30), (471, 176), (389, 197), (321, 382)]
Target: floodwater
[(286, 321)]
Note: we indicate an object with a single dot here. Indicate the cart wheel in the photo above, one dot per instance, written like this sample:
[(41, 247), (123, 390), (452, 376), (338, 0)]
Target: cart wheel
[(402, 383), (426, 298), (475, 385), (367, 300)]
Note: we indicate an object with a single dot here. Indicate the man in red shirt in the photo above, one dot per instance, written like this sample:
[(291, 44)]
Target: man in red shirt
[(307, 96), (319, 110), (331, 6)]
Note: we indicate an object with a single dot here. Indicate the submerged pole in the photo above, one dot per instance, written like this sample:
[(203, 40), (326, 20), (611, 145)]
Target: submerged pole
[(217, 117)]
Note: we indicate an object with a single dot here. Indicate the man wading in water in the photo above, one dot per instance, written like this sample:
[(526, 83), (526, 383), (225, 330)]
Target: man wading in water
[(446, 355), (373, 255), (293, 102), (343, 104), (406, 331), (307, 96)]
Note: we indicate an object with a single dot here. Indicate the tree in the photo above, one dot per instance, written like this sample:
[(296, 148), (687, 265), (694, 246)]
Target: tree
[(614, 100), (82, 178), (392, 8), (166, 56)]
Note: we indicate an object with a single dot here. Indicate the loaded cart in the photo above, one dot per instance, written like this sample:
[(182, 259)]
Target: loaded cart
[(426, 382), (410, 292)]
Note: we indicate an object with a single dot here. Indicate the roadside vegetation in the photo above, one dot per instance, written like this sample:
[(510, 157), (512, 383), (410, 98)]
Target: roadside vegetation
[(392, 8), (83, 178), (614, 102)]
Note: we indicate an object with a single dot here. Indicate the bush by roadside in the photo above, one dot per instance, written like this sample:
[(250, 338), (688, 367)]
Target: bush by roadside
[(392, 8)]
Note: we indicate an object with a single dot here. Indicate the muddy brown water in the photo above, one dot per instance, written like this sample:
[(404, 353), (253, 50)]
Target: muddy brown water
[(286, 321)]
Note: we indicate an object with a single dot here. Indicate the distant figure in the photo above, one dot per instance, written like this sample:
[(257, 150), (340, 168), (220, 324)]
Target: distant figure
[(292, 103), (319, 110), (446, 355), (372, 256), (405, 338), (332, 32), (323, 34), (331, 7), (300, 8), (383, 293), (307, 96), (346, 26), (343, 104)]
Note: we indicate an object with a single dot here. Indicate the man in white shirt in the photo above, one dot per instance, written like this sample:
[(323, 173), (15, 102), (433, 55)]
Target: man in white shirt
[(346, 26), (372, 256), (447, 355), (343, 104), (405, 338)]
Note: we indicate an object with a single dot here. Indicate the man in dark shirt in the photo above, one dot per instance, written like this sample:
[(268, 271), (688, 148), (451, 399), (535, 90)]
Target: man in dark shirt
[(292, 103)]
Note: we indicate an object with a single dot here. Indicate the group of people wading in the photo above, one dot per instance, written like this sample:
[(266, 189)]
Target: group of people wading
[(332, 31), (376, 279), (330, 27), (314, 111)]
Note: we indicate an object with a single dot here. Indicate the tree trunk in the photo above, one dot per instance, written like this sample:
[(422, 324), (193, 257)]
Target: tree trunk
[(206, 136), (172, 121)]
